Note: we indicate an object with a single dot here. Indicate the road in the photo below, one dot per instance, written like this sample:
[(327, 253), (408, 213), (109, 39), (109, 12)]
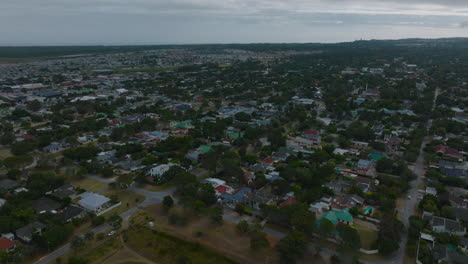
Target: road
[(412, 200)]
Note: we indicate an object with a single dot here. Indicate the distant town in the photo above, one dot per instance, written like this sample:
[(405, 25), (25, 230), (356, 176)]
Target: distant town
[(260, 153)]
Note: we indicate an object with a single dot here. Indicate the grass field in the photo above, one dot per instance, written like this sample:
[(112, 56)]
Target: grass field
[(170, 249), (102, 250), (5, 153), (224, 238), (128, 199), (368, 237), (91, 185)]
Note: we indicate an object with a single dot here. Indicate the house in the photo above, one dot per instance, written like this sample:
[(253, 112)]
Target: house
[(431, 191), (319, 207), (64, 191), (7, 245), (449, 153), (312, 135), (214, 182), (53, 147), (289, 201), (231, 200), (348, 201), (258, 167), (159, 170), (7, 185), (71, 212), (26, 233), (257, 198), (106, 156), (336, 217), (339, 186), (93, 202), (444, 225), (44, 205), (222, 189), (366, 168), (455, 201), (378, 129), (461, 214), (302, 142)]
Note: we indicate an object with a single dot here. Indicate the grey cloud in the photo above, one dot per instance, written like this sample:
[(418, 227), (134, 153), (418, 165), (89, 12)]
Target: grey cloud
[(29, 22)]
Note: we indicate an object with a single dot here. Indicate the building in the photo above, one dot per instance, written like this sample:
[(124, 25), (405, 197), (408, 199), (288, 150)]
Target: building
[(93, 202), (444, 225), (26, 233), (7, 245), (336, 217)]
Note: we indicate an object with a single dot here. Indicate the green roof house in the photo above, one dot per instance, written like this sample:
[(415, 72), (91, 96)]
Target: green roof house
[(204, 149), (335, 217)]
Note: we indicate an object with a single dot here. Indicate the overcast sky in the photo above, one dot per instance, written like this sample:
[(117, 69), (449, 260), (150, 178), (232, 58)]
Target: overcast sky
[(83, 22)]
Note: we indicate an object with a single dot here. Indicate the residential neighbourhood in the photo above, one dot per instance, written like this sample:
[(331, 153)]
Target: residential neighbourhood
[(308, 156)]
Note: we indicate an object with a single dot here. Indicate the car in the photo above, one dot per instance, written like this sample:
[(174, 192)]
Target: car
[(409, 197), (111, 233)]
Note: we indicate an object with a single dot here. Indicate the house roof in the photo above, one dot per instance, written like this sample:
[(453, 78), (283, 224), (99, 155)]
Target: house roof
[(45, 204), (28, 230), (70, 212), (6, 244), (8, 184), (334, 216), (92, 200)]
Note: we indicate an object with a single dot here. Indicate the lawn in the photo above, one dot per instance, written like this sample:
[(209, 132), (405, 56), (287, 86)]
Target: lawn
[(5, 153), (368, 236), (128, 199), (91, 185), (103, 249), (170, 249), (224, 238), (155, 188)]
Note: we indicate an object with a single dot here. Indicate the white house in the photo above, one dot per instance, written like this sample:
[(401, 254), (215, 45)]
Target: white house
[(93, 202), (159, 170)]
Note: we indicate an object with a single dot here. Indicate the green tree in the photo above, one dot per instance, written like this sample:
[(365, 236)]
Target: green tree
[(292, 247), (168, 202), (349, 236)]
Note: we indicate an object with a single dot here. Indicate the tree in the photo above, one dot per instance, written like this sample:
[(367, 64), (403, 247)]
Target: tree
[(292, 247), (303, 220), (216, 214), (89, 235), (98, 220), (326, 227), (258, 240), (55, 235), (243, 227), (34, 106), (168, 202), (389, 235), (77, 243), (349, 236), (77, 260), (115, 221)]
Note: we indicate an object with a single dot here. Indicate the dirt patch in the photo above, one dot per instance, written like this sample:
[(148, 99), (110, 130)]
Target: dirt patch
[(224, 238)]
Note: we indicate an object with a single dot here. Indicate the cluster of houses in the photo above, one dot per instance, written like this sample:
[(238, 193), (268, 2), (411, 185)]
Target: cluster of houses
[(52, 202)]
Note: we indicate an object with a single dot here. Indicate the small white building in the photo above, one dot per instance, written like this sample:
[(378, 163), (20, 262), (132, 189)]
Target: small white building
[(93, 202), (159, 170)]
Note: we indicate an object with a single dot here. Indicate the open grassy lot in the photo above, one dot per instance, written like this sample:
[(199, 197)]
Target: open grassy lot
[(170, 249), (128, 199), (224, 238), (102, 250), (4, 153), (91, 185), (93, 251), (155, 188), (368, 233)]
